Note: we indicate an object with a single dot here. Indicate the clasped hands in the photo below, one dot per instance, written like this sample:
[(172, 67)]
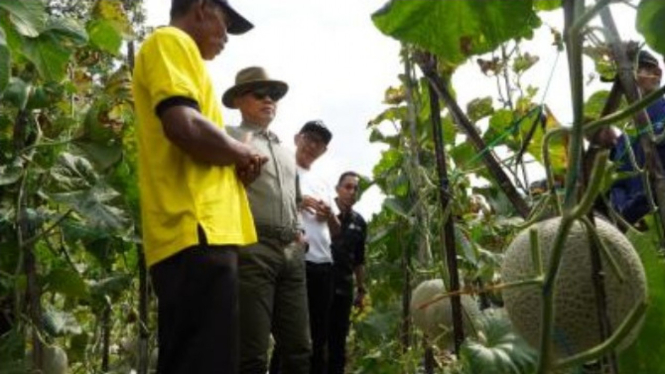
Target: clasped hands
[(317, 207)]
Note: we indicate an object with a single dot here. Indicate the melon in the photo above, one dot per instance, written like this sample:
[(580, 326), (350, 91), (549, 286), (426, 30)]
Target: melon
[(55, 360), (576, 327), (436, 320)]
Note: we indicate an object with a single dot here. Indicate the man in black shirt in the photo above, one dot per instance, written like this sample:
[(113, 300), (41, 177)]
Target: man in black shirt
[(348, 250)]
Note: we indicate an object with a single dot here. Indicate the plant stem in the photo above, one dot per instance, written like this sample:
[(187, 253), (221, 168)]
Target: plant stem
[(629, 111), (448, 232), (535, 252), (633, 317), (572, 10), (488, 157)]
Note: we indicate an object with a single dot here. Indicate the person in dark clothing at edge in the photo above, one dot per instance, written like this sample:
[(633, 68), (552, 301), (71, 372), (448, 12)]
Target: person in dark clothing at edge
[(628, 195), (348, 250), (194, 209)]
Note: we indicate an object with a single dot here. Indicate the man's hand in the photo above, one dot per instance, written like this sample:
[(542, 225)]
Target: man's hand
[(249, 170), (317, 207), (248, 165)]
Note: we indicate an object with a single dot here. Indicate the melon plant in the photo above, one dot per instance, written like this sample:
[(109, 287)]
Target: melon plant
[(436, 319), (576, 327)]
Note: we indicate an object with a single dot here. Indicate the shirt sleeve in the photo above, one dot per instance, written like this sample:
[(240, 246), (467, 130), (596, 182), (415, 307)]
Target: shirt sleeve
[(170, 69), (359, 247)]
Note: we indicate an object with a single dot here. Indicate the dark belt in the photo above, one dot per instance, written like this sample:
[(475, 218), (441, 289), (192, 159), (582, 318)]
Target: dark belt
[(284, 235)]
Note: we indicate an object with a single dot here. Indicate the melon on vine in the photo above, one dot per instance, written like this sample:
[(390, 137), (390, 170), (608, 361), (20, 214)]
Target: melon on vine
[(576, 327), (436, 319)]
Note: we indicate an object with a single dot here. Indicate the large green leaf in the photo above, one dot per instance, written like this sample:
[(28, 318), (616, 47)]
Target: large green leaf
[(17, 93), (455, 30), (104, 35), (27, 16), (83, 191), (69, 29), (66, 282), (649, 23), (59, 323), (12, 352), (5, 61), (498, 349), (647, 354), (49, 54)]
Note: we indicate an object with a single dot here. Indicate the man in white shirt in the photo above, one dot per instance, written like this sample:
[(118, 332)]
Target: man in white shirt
[(320, 223)]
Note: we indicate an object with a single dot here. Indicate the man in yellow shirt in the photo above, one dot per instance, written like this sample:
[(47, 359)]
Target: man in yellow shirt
[(194, 208)]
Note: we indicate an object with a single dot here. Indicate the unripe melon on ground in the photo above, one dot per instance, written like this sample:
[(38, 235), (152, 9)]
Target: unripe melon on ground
[(576, 326), (436, 320), (55, 360)]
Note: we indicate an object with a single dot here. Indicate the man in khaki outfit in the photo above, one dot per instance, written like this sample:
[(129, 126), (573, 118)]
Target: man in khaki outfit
[(273, 294)]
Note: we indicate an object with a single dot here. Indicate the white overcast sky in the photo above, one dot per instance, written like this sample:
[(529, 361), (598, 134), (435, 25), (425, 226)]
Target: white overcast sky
[(338, 65)]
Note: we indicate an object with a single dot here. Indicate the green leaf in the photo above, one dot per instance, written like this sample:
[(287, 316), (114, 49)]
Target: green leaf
[(77, 347), (647, 354), (113, 11), (92, 204), (5, 61), (11, 173), (83, 191), (649, 22), (112, 285), (49, 55), (595, 104), (59, 323), (66, 282), (479, 108), (498, 349), (547, 4), (103, 156), (104, 35), (12, 352), (68, 29), (455, 30), (17, 93), (397, 206), (28, 16)]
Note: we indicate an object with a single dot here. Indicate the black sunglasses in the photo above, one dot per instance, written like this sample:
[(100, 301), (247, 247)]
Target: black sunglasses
[(262, 93)]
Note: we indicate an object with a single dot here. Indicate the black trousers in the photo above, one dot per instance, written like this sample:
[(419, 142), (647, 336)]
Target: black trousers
[(197, 291), (340, 318), (319, 297)]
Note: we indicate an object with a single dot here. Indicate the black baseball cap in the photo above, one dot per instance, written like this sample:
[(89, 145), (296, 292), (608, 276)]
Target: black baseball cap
[(646, 59), (318, 127), (239, 24)]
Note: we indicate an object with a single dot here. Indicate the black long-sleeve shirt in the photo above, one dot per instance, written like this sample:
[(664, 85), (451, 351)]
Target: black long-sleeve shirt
[(348, 250)]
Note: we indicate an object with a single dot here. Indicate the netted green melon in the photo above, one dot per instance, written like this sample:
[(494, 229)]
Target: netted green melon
[(576, 327), (436, 320)]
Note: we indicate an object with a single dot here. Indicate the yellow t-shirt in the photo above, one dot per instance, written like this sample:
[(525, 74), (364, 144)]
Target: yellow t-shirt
[(177, 192)]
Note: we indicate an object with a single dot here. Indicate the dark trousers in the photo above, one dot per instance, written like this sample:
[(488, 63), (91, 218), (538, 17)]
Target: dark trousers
[(273, 298), (319, 301), (197, 311), (340, 316), (319, 296)]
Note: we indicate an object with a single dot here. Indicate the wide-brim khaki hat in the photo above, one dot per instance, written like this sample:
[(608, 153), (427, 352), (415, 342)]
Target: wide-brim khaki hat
[(250, 79)]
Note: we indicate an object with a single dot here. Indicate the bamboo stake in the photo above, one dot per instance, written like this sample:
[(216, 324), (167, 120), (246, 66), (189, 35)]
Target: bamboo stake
[(448, 232)]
